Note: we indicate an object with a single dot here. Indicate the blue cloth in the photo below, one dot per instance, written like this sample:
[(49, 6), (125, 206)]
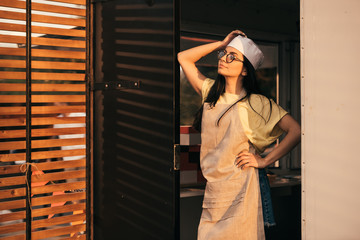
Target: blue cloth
[(267, 207)]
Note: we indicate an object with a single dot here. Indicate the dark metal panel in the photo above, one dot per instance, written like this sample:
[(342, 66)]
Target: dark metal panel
[(136, 127)]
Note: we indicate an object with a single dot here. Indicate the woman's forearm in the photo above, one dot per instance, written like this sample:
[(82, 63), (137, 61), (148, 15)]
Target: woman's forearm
[(291, 139), (193, 55)]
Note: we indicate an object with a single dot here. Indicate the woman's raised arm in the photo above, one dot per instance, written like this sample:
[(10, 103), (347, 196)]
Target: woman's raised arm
[(189, 57)]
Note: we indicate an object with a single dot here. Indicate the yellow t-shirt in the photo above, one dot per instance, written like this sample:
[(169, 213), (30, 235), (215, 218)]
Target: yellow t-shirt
[(258, 119)]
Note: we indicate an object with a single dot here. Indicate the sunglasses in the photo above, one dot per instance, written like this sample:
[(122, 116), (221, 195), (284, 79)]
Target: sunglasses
[(229, 57)]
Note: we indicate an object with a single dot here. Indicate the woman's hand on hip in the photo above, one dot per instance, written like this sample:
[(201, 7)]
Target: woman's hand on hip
[(246, 159)]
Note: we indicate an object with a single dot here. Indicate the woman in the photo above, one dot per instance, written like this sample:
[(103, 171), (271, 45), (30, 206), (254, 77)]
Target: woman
[(237, 124)]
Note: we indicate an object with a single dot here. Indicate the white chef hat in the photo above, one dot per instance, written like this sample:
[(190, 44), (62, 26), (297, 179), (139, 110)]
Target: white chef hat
[(249, 49)]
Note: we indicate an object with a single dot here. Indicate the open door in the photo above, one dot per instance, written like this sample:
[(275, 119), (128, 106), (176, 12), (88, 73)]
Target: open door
[(135, 91)]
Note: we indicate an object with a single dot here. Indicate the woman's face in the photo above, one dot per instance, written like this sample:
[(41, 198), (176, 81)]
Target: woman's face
[(233, 69)]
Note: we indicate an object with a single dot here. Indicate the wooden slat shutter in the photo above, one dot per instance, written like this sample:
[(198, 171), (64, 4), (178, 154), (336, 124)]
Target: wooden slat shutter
[(59, 159)]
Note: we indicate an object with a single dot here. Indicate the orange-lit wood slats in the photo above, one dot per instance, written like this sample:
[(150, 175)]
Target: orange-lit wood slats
[(66, 197), (43, 30), (79, 2), (17, 237), (10, 169), (41, 110), (14, 204), (58, 231), (43, 18), (11, 193), (57, 176), (42, 64), (37, 201), (43, 53), (44, 76), (38, 87), (11, 181), (58, 220), (43, 7), (12, 216), (58, 54), (42, 155), (58, 187), (12, 228), (20, 121), (41, 132), (43, 98), (11, 145), (60, 209), (43, 41)]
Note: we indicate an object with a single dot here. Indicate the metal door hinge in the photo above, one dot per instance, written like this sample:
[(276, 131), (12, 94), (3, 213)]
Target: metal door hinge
[(176, 157), (118, 85)]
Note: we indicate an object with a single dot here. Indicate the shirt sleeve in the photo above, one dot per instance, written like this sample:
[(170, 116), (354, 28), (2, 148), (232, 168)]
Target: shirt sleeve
[(262, 118), (272, 130), (207, 84)]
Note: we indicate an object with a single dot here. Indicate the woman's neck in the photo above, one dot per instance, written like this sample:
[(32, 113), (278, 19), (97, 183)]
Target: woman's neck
[(233, 86)]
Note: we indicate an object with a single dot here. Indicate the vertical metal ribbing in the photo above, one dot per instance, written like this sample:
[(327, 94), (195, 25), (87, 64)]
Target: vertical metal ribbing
[(176, 114), (28, 118), (88, 122)]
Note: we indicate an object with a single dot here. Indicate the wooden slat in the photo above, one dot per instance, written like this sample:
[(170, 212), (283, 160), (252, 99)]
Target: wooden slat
[(43, 30), (12, 157), (58, 231), (37, 201), (58, 187), (13, 145), (15, 204), (75, 237), (36, 87), (41, 121), (44, 76), (79, 2), (42, 155), (43, 41), (43, 53), (57, 176), (12, 228), (57, 154), (43, 18), (42, 110), (58, 220), (61, 164), (11, 181), (43, 7), (58, 142), (12, 216), (11, 193), (60, 209), (41, 132), (42, 64), (17, 237), (11, 169), (43, 98), (67, 197)]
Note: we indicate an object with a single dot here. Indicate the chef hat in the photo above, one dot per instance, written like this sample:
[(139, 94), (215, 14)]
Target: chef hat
[(249, 49)]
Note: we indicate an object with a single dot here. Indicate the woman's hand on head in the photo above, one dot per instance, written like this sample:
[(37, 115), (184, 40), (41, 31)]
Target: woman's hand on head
[(246, 159), (231, 36)]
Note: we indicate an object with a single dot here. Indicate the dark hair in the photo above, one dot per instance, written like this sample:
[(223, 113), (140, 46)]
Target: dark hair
[(249, 84)]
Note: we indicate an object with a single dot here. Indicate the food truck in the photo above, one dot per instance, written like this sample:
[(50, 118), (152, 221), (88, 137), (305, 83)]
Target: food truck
[(95, 115)]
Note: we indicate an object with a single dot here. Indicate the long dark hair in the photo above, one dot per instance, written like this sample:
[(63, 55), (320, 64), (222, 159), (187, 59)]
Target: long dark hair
[(249, 84)]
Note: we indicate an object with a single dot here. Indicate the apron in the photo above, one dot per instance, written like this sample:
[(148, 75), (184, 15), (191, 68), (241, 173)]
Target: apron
[(232, 202)]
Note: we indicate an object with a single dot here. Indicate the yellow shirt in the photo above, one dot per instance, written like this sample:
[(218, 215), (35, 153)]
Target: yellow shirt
[(254, 115)]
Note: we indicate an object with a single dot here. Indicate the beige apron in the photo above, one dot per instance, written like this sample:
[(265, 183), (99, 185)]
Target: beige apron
[(232, 202)]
